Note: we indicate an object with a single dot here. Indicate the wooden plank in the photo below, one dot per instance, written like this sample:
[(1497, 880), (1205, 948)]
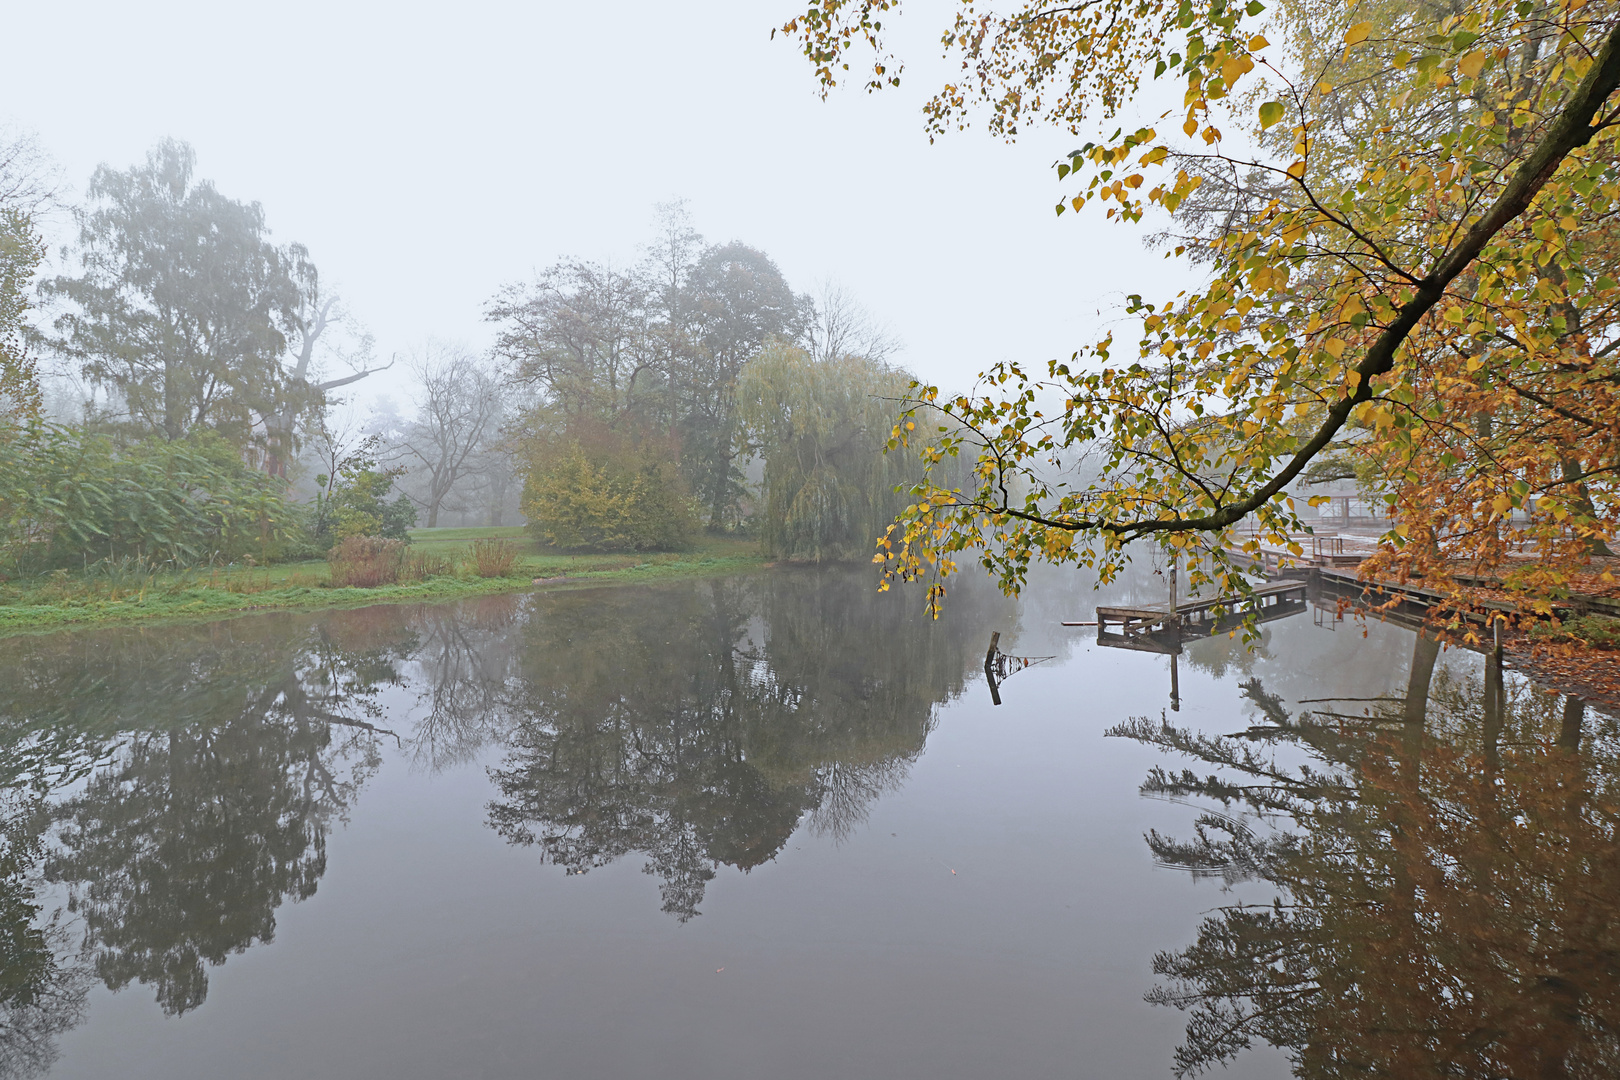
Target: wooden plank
[(1146, 612)]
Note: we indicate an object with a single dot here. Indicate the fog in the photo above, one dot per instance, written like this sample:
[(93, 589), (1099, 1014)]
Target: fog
[(428, 154)]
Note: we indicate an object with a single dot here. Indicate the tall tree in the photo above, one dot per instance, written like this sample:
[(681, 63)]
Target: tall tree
[(579, 334), (821, 425), (183, 304), (21, 251), (656, 348), (741, 302), (458, 416), (25, 190), (1412, 261)]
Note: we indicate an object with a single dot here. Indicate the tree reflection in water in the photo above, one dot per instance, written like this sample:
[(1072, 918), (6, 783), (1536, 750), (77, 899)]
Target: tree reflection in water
[(466, 663), (43, 983), (213, 760), (166, 790), (701, 725), (1448, 880)]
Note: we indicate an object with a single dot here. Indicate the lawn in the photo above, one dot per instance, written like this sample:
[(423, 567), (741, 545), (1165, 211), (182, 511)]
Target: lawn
[(65, 598)]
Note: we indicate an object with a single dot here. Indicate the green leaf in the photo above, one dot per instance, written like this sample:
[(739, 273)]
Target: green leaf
[(1270, 113)]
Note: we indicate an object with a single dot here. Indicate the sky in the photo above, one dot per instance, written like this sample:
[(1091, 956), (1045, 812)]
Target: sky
[(428, 154)]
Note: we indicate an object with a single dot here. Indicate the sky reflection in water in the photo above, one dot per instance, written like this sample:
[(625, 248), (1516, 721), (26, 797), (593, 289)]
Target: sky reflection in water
[(772, 825)]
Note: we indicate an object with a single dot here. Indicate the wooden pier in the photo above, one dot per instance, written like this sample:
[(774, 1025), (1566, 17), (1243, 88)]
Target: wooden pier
[(1315, 551), (1195, 615)]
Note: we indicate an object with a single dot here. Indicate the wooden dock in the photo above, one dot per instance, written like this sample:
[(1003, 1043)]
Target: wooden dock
[(1199, 615), (1315, 551)]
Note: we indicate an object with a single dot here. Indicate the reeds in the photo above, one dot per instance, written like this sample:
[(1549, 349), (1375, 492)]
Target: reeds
[(493, 558), (366, 562)]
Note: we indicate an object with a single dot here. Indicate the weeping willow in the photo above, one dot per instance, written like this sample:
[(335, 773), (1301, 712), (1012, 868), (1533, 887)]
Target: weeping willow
[(821, 427)]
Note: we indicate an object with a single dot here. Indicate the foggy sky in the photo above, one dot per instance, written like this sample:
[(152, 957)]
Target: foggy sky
[(427, 154)]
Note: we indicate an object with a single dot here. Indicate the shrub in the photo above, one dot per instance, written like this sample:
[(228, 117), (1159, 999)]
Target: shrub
[(610, 498), (68, 498), (419, 566), (365, 562), (1598, 631), (494, 558), (351, 501)]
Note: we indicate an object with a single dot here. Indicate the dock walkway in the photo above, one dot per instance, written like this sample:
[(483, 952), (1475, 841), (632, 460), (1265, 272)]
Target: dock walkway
[(1195, 613)]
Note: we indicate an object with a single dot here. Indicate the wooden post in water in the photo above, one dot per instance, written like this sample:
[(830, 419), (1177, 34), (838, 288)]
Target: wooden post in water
[(990, 667), (1494, 694)]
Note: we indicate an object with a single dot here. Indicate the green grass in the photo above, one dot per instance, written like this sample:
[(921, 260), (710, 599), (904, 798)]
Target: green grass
[(65, 599)]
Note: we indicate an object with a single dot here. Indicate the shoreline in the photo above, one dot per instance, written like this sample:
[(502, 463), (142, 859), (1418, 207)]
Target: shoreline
[(207, 602)]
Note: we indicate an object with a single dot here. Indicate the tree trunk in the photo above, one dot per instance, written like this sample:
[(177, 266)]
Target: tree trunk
[(173, 422), (1583, 502)]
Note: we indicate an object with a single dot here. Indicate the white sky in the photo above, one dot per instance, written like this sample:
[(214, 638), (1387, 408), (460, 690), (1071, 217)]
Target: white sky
[(427, 154)]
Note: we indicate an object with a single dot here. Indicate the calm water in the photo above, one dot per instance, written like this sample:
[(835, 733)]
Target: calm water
[(774, 826)]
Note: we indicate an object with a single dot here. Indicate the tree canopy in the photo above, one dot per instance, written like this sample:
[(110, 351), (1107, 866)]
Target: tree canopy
[(1402, 220), (820, 425), (183, 306), (654, 348)]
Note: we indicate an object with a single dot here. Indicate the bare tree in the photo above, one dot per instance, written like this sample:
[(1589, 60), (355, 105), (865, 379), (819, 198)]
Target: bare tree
[(30, 182), (319, 313), (457, 414), (579, 335), (836, 325)]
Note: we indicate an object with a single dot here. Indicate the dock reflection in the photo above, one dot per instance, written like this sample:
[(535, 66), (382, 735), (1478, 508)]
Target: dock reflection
[(1445, 870)]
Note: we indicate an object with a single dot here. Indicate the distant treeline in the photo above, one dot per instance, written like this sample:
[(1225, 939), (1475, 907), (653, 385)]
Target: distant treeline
[(658, 385), (620, 407)]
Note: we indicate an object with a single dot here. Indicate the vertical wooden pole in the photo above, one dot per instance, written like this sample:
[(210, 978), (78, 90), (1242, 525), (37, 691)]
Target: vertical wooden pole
[(990, 667)]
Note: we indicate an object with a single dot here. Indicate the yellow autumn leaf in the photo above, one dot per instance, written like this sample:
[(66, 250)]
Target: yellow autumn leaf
[(1357, 33), (1235, 68), (1472, 64), (1258, 42)]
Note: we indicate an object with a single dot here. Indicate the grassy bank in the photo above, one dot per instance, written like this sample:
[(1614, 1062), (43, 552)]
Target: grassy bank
[(108, 596)]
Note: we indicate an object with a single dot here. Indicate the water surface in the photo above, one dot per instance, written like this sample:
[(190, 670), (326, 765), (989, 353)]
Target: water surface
[(773, 825)]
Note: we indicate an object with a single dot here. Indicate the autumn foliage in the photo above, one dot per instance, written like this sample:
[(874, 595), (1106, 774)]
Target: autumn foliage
[(1402, 219), (595, 489)]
